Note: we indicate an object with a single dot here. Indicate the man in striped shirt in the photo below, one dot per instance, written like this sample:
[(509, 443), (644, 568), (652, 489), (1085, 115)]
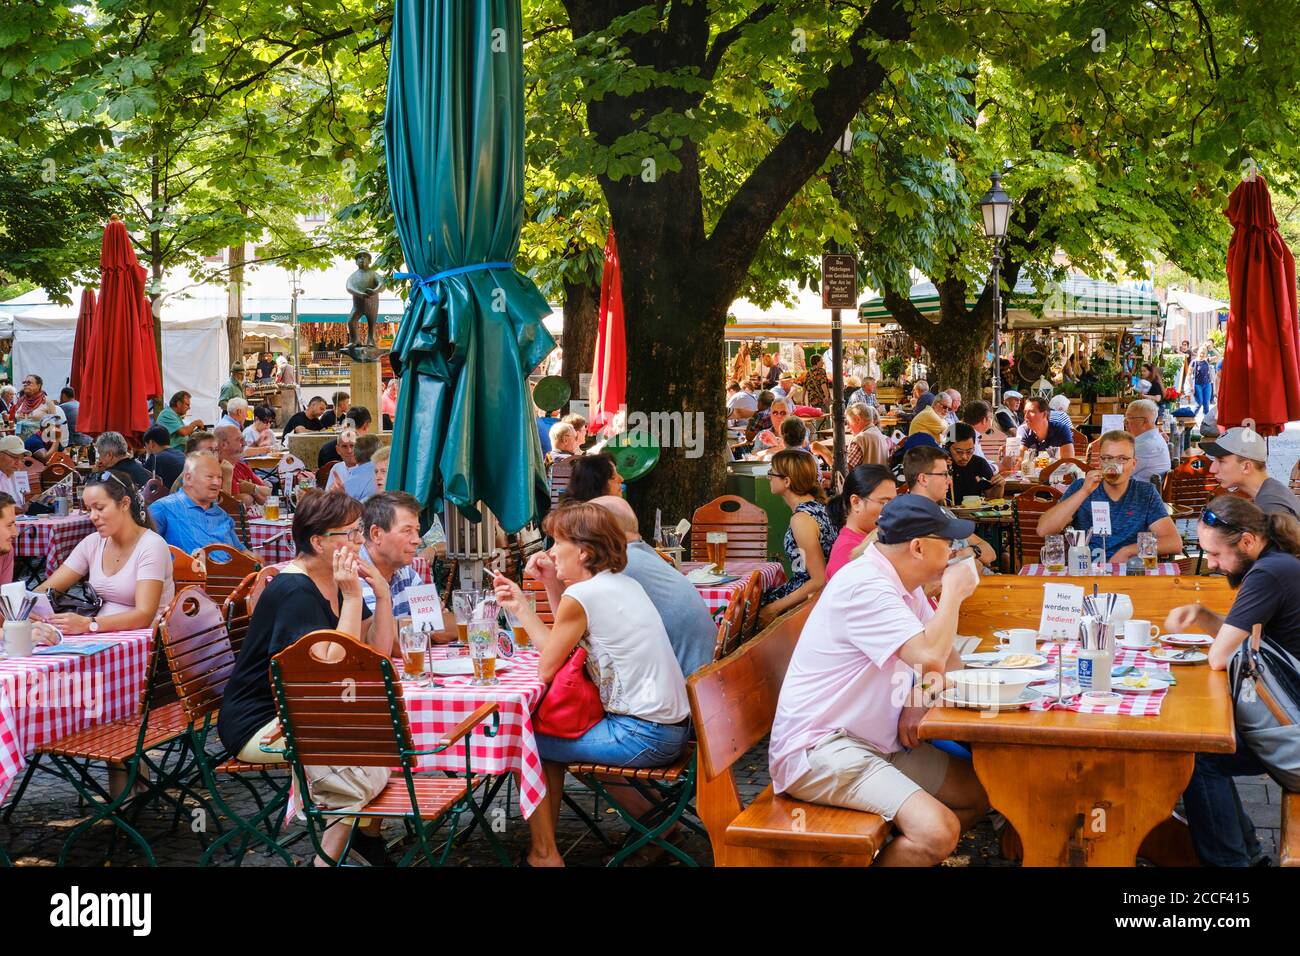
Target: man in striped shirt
[(391, 521)]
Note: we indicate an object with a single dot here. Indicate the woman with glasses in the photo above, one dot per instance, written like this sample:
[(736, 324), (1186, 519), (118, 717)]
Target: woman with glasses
[(867, 489), (810, 537), (125, 561), (769, 440), (319, 589)]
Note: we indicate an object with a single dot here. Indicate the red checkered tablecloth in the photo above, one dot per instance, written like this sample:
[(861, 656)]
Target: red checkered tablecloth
[(46, 697), (1130, 705), (717, 596), (261, 531), (51, 537), (1040, 570), (433, 711)]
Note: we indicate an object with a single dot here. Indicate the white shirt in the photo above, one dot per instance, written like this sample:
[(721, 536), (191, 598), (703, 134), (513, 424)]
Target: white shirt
[(631, 659), (8, 487), (846, 673), (1152, 453)]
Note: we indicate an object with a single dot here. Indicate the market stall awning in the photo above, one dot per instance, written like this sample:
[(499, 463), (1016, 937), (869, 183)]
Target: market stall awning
[(1077, 303), (803, 320), (803, 332)]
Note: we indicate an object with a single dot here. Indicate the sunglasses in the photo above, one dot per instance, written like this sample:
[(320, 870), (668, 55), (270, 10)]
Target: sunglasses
[(1212, 520), (107, 476)]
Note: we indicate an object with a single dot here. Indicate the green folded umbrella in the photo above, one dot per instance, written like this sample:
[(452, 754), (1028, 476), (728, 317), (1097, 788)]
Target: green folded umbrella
[(454, 135)]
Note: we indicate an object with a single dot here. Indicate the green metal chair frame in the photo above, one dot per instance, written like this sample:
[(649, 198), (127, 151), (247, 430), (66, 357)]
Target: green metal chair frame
[(157, 728), (359, 686), (196, 641)]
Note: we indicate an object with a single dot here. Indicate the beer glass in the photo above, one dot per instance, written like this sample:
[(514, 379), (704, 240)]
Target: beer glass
[(483, 648), (463, 603), (521, 636), (716, 545), (1053, 552), (415, 645), (1147, 550), (273, 508)]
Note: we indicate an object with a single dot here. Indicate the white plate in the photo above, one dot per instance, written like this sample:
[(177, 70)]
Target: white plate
[(1193, 657), (1136, 647), (1187, 640), (1117, 684), (995, 658), (461, 667), (1027, 697)]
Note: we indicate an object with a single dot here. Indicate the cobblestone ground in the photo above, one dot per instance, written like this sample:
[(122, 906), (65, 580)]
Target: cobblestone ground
[(49, 811)]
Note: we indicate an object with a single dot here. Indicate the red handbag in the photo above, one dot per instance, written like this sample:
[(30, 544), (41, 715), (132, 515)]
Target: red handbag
[(571, 705)]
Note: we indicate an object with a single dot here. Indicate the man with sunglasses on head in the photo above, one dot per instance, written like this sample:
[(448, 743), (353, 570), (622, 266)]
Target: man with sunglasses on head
[(1241, 464), (1260, 555), (1135, 506), (191, 519)]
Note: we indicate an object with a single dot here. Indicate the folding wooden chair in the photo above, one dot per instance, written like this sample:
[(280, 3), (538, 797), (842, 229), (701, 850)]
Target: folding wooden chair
[(730, 628), (153, 490), (1189, 488), (155, 741), (53, 473), (237, 611), (993, 445), (235, 508), (186, 568), (226, 569), (323, 476), (1062, 464), (263, 578), (201, 659), (744, 523), (368, 727), (1027, 507)]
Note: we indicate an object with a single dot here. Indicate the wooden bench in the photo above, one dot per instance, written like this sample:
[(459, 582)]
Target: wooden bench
[(1288, 847), (733, 703)]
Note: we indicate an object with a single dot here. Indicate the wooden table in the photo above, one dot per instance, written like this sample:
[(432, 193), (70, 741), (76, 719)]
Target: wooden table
[(1083, 789)]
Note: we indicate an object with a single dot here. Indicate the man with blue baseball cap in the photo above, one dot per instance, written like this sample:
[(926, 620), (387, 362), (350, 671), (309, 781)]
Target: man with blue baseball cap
[(845, 732)]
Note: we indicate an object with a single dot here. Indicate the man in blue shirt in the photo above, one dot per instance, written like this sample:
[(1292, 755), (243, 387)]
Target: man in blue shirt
[(1135, 506), (1044, 428), (191, 519), (691, 629)]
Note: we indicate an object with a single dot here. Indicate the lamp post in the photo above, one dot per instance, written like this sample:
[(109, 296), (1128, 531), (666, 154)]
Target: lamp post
[(995, 207), (843, 146)]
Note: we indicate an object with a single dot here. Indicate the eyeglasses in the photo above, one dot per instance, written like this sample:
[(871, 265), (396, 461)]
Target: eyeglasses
[(1211, 520), (953, 546), (938, 474), (1114, 459), (355, 535), (775, 474)]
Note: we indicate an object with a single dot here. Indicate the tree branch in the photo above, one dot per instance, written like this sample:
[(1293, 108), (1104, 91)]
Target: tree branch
[(730, 36)]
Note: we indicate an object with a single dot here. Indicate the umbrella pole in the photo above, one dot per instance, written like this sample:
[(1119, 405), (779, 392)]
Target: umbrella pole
[(837, 390)]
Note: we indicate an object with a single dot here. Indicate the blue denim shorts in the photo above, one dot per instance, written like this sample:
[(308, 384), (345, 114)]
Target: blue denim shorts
[(620, 741)]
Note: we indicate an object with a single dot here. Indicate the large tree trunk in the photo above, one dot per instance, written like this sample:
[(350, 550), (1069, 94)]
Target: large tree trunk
[(581, 314)]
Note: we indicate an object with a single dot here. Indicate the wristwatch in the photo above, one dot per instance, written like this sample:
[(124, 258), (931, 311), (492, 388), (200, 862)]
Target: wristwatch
[(94, 626)]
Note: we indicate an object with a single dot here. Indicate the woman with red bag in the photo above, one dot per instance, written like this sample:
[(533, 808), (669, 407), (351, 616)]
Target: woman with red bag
[(606, 615)]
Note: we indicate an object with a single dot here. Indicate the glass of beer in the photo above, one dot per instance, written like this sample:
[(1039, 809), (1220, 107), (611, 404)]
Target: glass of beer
[(463, 603), (273, 508), (1147, 550), (483, 649), (415, 646), (521, 636), (1053, 552), (716, 544)]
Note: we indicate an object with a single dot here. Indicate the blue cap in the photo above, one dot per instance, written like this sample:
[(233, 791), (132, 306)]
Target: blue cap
[(916, 516)]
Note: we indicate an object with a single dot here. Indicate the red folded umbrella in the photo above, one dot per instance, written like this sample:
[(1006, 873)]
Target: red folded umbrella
[(609, 378), (1260, 380), (85, 322), (120, 369)]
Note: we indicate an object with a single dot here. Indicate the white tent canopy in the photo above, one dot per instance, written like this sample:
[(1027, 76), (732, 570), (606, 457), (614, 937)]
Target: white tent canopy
[(196, 356)]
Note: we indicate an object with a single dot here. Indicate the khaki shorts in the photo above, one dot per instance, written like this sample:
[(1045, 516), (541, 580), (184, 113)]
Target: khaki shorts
[(844, 771)]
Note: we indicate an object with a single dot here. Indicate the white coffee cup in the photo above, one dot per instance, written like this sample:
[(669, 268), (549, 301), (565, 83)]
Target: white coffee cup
[(1019, 640), (1140, 632)]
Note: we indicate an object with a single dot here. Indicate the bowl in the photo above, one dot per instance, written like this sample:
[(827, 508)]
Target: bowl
[(992, 685)]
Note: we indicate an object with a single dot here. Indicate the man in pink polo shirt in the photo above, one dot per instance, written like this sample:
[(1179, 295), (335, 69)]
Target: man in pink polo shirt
[(845, 732)]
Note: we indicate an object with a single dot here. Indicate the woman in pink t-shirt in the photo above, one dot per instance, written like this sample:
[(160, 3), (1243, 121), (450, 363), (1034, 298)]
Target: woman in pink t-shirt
[(127, 563), (867, 489)]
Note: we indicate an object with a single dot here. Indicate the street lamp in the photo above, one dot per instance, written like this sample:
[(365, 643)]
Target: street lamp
[(843, 146), (995, 207)]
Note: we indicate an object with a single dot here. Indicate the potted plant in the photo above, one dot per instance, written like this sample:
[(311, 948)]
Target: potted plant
[(891, 369)]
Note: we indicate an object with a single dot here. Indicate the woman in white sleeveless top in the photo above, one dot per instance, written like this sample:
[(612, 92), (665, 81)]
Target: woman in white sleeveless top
[(629, 658)]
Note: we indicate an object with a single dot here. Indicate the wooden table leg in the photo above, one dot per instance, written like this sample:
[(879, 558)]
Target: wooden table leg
[(1081, 807)]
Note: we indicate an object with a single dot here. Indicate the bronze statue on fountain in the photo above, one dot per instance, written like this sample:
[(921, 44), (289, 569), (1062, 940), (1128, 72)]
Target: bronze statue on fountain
[(363, 285)]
